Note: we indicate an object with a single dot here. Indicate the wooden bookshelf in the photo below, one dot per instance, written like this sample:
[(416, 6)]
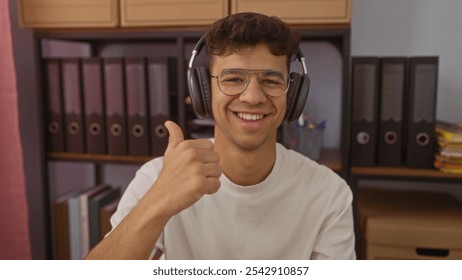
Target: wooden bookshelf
[(329, 157), (174, 42)]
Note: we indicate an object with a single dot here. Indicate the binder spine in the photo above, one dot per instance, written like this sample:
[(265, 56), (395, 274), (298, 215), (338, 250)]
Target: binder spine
[(135, 82), (159, 103), (55, 114), (423, 79), (115, 106), (94, 109), (365, 75), (393, 86), (73, 99)]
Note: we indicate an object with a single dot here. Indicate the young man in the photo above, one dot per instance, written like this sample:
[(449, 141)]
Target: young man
[(241, 195)]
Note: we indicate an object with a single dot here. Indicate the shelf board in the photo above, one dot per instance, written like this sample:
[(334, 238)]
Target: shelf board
[(97, 158), (329, 157), (401, 172)]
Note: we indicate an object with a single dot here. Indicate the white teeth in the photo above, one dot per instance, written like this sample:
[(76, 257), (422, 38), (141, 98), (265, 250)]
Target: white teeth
[(249, 117)]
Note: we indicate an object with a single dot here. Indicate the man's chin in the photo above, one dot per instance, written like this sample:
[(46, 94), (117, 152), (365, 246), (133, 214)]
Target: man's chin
[(251, 143)]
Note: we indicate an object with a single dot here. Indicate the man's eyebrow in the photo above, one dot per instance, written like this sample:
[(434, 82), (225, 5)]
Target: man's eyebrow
[(232, 70), (269, 70), (273, 73)]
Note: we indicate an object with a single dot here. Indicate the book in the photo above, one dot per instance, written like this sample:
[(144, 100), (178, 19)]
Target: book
[(61, 226), (450, 152), (74, 228), (448, 156), (449, 131), (84, 198), (96, 203)]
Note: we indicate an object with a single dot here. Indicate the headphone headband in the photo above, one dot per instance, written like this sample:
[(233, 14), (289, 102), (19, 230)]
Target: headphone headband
[(201, 43)]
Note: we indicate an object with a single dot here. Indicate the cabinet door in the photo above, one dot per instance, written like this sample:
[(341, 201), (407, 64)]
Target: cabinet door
[(299, 11), (172, 12), (68, 13)]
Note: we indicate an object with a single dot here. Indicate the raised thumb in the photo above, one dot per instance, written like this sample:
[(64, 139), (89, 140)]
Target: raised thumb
[(175, 135)]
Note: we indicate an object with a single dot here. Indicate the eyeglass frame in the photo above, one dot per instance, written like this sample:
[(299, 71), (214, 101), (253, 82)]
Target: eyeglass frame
[(250, 73)]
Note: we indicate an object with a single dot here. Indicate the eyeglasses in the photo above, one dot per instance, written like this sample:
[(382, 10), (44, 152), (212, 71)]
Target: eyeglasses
[(235, 81)]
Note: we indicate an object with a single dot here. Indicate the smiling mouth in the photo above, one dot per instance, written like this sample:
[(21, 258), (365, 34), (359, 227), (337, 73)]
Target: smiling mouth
[(250, 117)]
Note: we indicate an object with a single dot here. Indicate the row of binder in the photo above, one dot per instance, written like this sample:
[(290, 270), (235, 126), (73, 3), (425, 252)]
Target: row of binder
[(80, 219), (393, 111), (114, 106)]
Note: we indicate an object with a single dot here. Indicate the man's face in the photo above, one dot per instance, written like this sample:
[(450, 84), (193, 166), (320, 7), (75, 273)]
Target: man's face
[(248, 120)]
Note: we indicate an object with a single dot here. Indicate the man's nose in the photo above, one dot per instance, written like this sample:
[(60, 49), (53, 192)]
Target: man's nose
[(254, 92)]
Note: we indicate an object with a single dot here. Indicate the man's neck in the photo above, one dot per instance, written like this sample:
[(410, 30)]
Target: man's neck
[(244, 167)]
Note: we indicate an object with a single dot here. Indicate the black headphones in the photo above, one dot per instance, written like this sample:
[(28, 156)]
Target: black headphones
[(201, 96)]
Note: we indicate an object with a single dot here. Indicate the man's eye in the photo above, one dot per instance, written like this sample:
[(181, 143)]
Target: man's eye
[(272, 82), (233, 80)]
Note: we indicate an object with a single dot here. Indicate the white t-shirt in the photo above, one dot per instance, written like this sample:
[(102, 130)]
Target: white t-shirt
[(302, 210)]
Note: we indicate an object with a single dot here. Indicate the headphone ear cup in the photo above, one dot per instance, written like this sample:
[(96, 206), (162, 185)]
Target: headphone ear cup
[(195, 93), (291, 93), (204, 80), (296, 96), (199, 91)]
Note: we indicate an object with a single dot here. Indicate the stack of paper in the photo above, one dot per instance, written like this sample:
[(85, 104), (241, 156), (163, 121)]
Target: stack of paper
[(449, 153)]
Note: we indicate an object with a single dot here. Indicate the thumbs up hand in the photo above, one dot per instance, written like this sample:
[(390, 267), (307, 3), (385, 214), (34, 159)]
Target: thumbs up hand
[(191, 169)]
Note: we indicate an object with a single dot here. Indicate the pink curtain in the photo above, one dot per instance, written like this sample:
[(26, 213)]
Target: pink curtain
[(14, 230)]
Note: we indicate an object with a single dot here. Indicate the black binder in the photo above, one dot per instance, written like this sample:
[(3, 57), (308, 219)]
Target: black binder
[(135, 82), (93, 104), (393, 80), (159, 103), (365, 85), (72, 94), (421, 106), (55, 114), (115, 106)]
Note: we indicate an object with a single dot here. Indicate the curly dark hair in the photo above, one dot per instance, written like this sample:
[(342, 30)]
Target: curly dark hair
[(243, 30)]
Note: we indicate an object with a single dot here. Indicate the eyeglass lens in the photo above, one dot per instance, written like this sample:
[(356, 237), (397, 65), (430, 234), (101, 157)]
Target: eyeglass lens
[(235, 81)]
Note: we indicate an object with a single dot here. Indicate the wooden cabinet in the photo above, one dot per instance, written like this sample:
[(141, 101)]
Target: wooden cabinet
[(396, 178), (173, 13), (299, 12), (68, 13)]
